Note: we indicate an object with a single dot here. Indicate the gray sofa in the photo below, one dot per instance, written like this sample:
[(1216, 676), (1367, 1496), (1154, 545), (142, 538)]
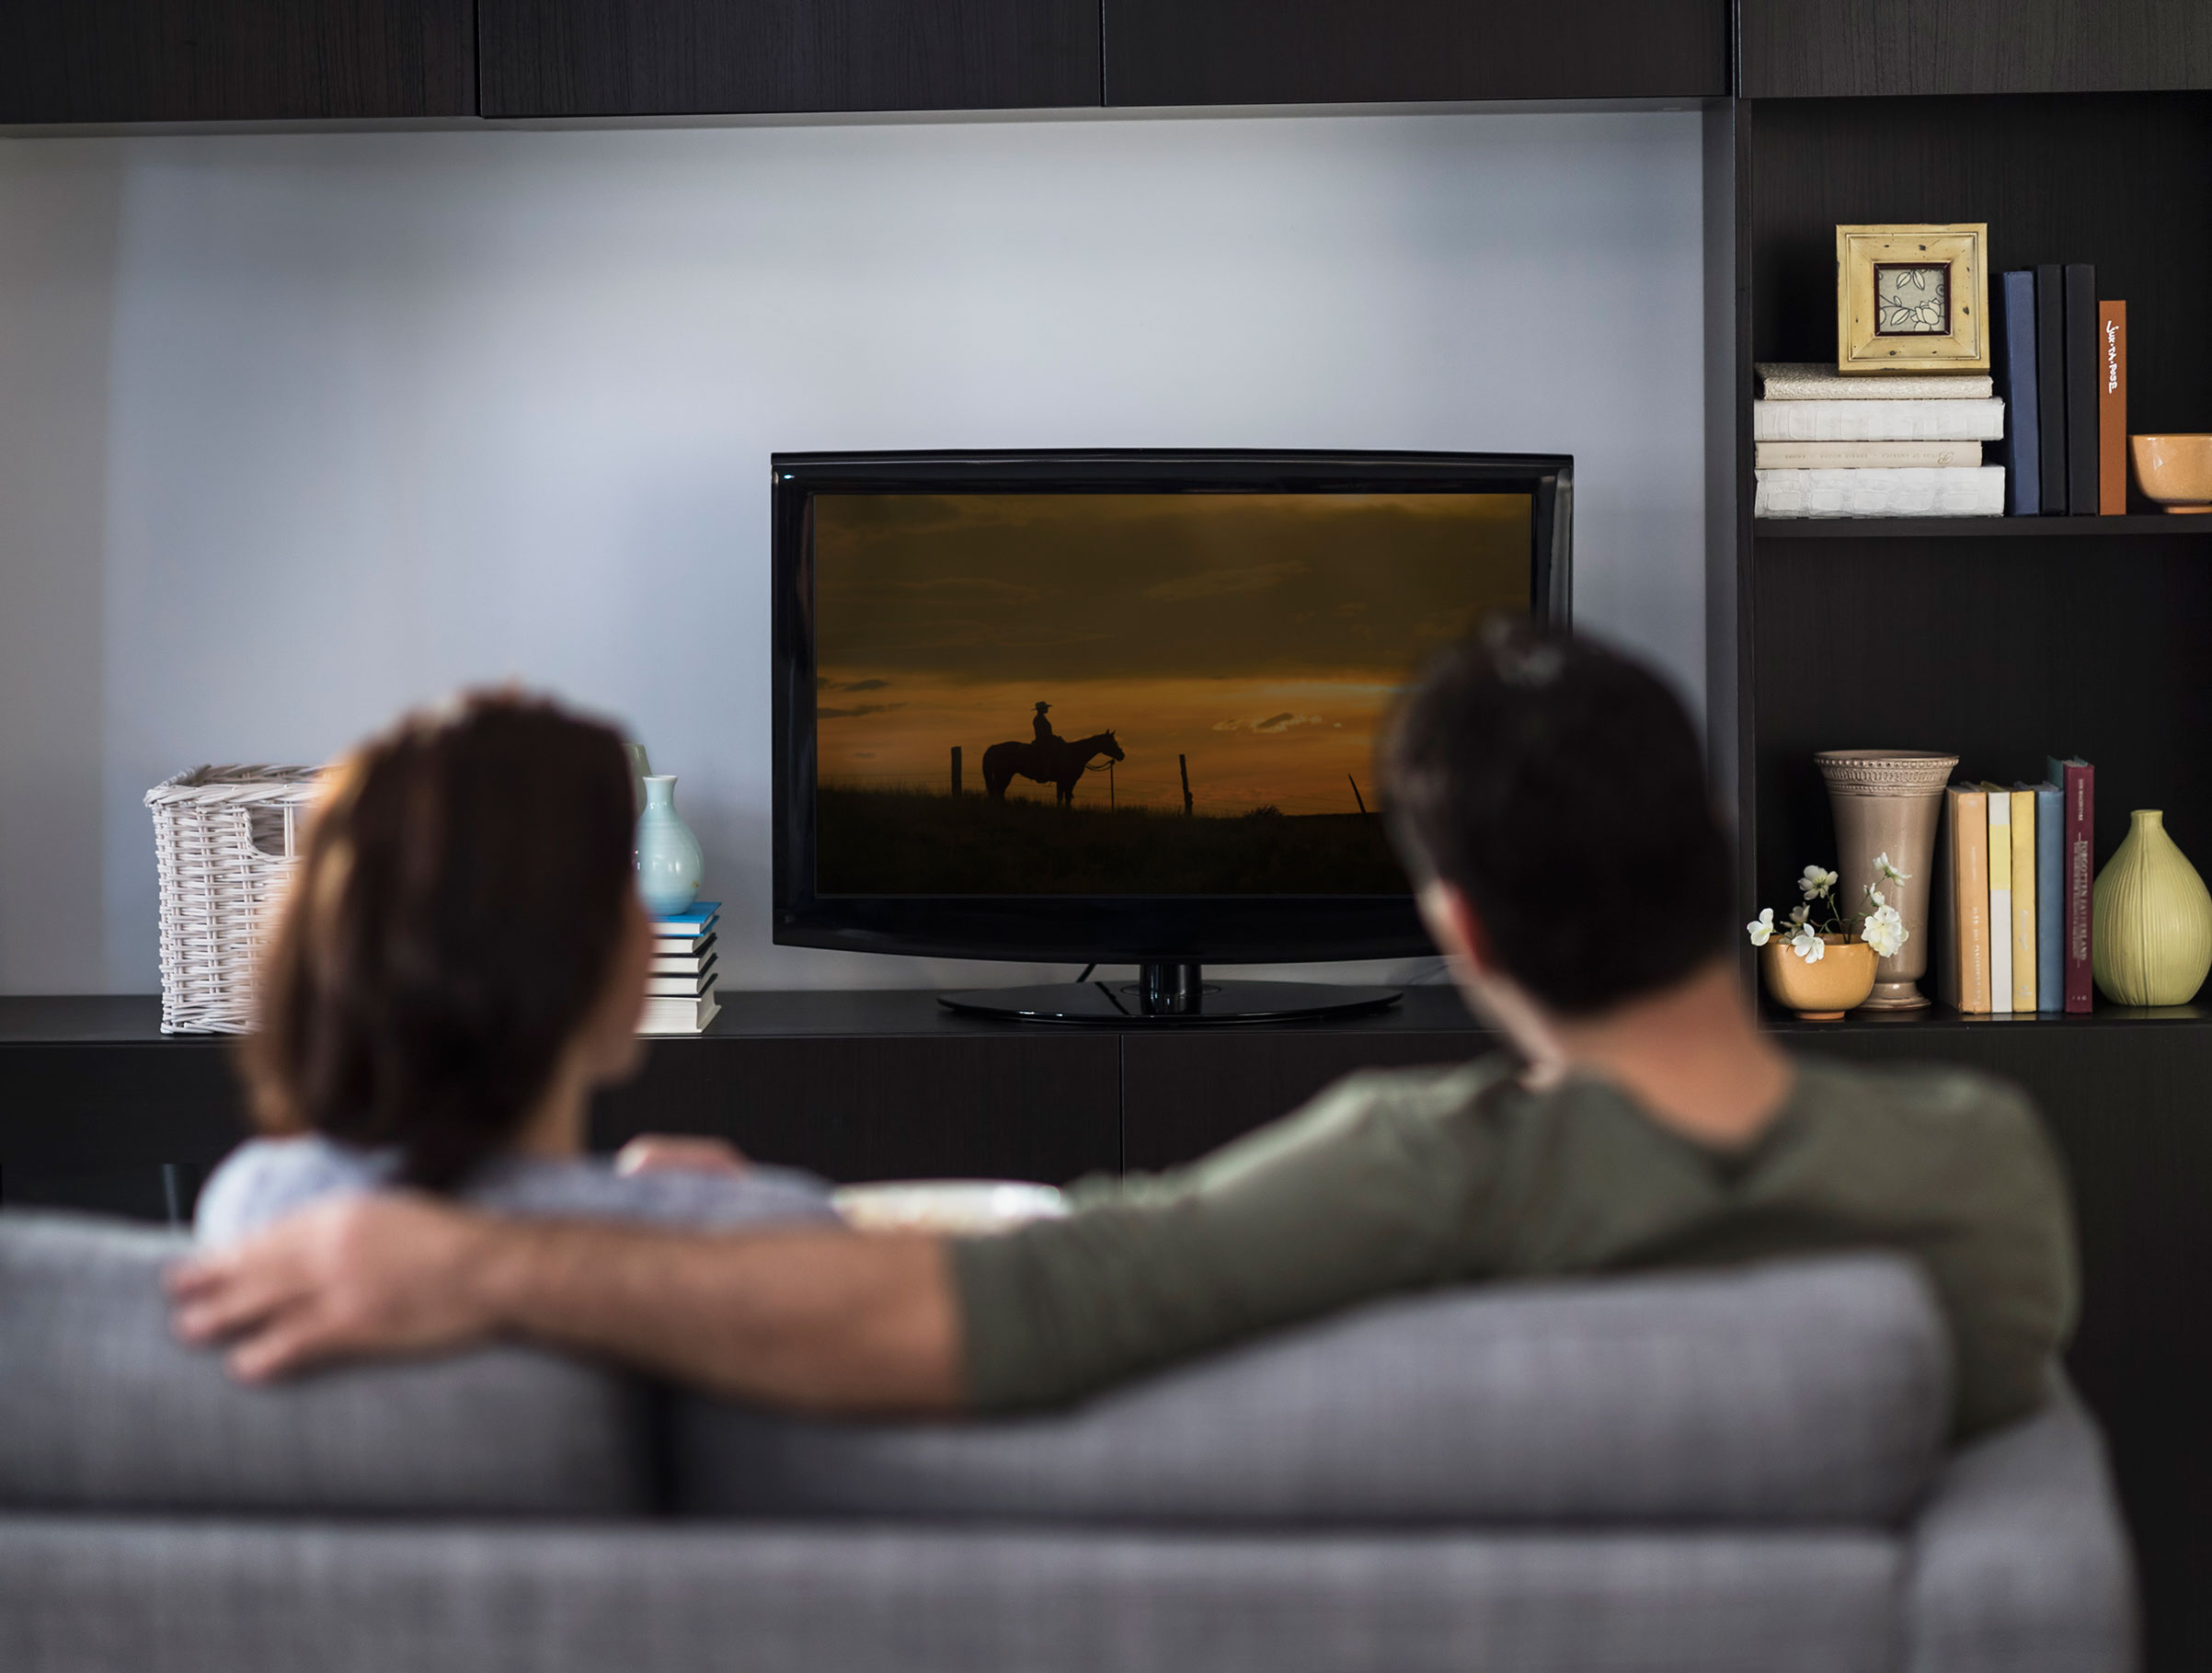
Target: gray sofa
[(1707, 1472)]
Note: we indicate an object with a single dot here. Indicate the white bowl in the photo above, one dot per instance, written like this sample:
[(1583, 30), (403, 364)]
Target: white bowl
[(950, 1207)]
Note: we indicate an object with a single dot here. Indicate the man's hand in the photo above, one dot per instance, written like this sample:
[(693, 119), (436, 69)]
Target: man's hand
[(365, 1275)]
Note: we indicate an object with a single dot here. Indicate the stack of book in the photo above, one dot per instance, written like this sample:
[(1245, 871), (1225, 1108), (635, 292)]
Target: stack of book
[(2061, 360), (680, 987), (2014, 921), (1892, 445)]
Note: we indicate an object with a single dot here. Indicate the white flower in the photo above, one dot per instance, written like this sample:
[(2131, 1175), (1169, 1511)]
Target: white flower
[(1876, 896), (1884, 932), (1798, 914), (1816, 882), (1806, 943), (1760, 927), (1883, 865)]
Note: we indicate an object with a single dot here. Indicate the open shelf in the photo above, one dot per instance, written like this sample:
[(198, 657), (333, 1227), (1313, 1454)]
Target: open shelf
[(1941, 1019), (2154, 523)]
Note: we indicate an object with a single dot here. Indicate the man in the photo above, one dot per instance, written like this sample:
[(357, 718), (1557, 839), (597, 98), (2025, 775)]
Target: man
[(1549, 799), (1043, 726)]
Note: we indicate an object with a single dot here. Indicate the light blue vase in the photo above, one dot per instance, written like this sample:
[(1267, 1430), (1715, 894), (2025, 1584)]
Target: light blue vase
[(669, 863)]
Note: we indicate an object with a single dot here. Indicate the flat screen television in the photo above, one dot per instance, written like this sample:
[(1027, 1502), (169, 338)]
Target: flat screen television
[(1120, 707)]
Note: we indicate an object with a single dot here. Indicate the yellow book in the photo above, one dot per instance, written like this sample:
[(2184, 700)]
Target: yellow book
[(1963, 972), (2000, 896), (2023, 900)]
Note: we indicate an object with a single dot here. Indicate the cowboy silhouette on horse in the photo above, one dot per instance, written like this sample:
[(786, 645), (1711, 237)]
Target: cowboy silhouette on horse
[(1048, 760)]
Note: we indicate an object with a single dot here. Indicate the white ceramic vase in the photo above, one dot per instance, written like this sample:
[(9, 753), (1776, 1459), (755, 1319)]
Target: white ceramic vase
[(668, 861)]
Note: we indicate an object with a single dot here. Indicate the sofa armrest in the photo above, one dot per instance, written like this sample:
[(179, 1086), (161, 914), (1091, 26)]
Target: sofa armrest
[(2019, 1561)]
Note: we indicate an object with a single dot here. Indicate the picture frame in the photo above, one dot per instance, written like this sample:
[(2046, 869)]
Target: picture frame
[(1912, 298)]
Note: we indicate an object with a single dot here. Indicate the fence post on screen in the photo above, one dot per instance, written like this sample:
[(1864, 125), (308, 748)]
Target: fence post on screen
[(1183, 763), (1357, 797), (956, 769)]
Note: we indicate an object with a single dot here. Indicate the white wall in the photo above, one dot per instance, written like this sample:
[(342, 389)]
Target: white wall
[(298, 429)]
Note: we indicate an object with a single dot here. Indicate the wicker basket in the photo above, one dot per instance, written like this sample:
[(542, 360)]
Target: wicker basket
[(225, 841)]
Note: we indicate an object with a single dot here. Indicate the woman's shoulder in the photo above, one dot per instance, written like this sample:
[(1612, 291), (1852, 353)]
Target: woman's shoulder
[(266, 1179), (589, 1188)]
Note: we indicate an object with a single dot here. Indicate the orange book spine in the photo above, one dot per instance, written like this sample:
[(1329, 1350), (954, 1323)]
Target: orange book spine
[(2112, 409), (1965, 971)]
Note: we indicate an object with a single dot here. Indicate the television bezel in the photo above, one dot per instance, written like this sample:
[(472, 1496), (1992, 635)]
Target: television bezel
[(1112, 928)]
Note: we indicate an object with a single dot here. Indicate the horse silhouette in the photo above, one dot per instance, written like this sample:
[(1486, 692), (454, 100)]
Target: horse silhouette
[(1057, 762)]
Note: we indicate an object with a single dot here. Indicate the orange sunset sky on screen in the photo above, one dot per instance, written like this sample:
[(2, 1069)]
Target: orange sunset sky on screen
[(1263, 637)]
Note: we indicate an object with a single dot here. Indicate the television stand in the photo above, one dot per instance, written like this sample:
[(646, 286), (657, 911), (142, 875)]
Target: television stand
[(1169, 995)]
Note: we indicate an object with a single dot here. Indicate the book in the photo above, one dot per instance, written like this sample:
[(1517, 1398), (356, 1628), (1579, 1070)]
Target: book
[(2076, 781), (2050, 382), (2112, 409), (695, 956), (1809, 381), (678, 1015), (1880, 493), (1861, 456), (683, 947), (1880, 421), (1999, 802), (690, 923), (2014, 363), (1962, 922), (680, 987), (2050, 898), (2025, 972), (2083, 361)]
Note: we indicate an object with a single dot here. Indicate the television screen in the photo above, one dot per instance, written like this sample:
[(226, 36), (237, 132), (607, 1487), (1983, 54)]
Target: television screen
[(1129, 693)]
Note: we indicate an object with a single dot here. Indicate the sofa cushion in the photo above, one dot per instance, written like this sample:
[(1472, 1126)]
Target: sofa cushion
[(1801, 1392), (100, 1407)]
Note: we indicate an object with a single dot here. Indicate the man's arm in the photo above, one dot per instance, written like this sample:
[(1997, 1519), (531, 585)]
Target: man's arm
[(818, 1319)]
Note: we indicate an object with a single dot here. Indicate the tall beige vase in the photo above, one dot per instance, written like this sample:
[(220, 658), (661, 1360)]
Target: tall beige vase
[(2152, 919), (1889, 802)]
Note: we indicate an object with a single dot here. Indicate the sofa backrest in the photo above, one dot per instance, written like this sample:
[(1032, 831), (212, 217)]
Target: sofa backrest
[(101, 1408), (1801, 1392)]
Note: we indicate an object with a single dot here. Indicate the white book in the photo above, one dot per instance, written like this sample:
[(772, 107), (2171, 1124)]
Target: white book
[(678, 1015), (2000, 901), (1805, 380), (680, 987), (697, 957), (1867, 455), (1878, 420), (681, 947), (1880, 493)]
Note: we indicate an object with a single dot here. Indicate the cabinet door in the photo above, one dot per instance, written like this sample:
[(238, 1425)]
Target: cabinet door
[(1792, 49), (676, 57), (1353, 51), (189, 61)]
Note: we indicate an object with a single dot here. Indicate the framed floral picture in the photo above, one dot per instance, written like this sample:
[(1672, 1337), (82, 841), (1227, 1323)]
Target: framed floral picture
[(1912, 298)]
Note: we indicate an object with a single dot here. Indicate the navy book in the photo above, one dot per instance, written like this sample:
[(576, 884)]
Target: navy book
[(2084, 369), (2050, 383), (2014, 368)]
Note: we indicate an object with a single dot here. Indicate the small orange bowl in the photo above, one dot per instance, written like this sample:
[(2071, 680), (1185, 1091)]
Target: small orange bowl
[(2176, 471)]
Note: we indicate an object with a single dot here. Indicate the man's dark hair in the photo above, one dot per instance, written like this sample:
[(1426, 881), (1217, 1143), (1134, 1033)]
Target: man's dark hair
[(1561, 788), (455, 916)]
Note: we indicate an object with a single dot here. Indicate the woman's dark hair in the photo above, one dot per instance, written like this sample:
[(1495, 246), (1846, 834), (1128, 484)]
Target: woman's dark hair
[(1561, 788), (455, 916)]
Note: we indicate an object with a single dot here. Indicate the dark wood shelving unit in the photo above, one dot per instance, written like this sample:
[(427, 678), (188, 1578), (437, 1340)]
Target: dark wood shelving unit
[(2002, 639), (2155, 525)]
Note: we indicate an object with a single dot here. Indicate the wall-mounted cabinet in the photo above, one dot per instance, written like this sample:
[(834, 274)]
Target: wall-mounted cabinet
[(730, 57), (1794, 49), (1373, 51), (184, 61)]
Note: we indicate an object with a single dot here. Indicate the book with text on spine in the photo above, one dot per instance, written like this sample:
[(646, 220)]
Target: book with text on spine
[(2076, 781), (2112, 409), (1879, 420), (1963, 913), (1866, 455), (2000, 804)]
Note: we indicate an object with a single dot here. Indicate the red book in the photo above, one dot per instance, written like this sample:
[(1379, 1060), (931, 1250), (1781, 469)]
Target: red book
[(2077, 780), (2111, 408)]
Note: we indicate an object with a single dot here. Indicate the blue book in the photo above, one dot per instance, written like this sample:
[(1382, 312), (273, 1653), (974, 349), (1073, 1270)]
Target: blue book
[(2050, 897), (2013, 373), (692, 921)]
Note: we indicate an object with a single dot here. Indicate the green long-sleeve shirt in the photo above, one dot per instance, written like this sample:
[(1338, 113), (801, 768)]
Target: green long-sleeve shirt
[(1404, 1180)]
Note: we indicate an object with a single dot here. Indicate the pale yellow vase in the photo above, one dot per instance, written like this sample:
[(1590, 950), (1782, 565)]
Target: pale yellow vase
[(2152, 942)]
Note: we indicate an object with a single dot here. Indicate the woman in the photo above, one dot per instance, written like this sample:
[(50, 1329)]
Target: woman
[(459, 965)]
